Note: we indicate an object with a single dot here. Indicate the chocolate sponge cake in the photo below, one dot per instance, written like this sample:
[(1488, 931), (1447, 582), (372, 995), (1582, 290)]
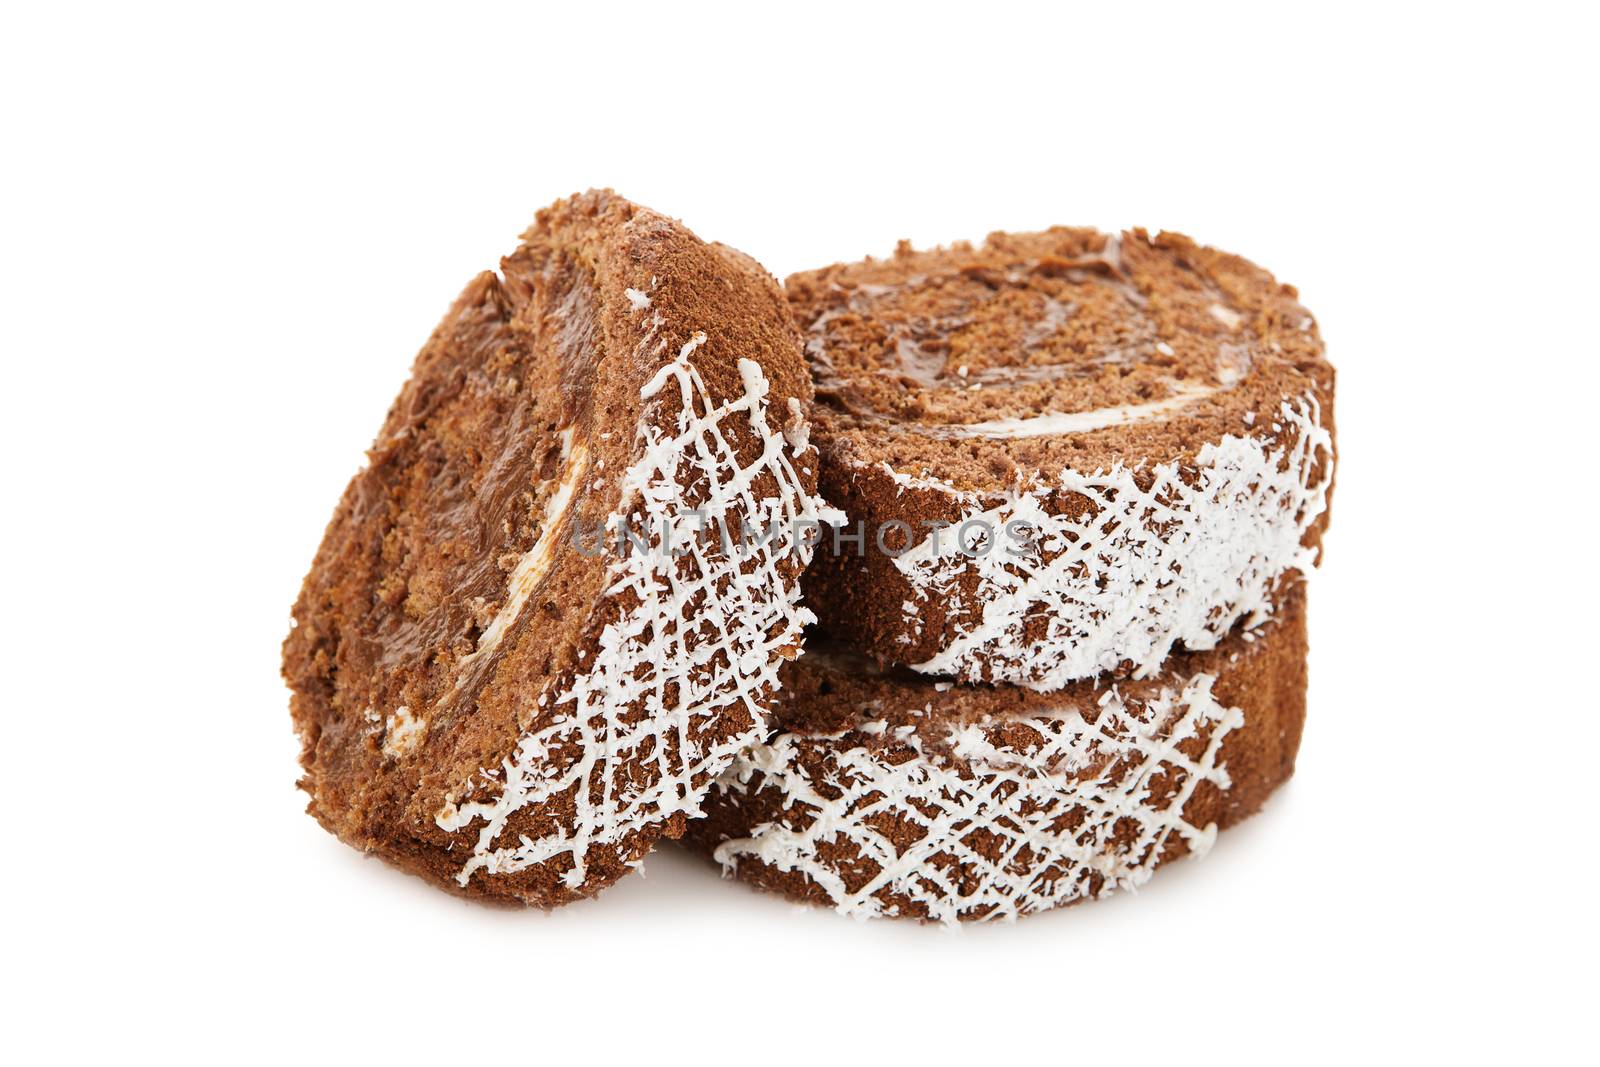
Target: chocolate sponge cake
[(527, 645), (885, 793), (1061, 453)]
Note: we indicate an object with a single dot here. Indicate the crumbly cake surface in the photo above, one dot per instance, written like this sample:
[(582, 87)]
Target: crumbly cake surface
[(888, 794), (495, 686), (1067, 452)]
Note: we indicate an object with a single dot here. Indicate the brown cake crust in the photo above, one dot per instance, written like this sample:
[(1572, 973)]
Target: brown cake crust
[(1132, 401), (889, 794), (488, 691)]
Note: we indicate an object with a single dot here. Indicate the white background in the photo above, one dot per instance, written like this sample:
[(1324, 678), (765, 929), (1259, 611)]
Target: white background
[(227, 230)]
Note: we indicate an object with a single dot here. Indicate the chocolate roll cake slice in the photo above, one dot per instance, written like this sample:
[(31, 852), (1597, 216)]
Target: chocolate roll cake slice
[(535, 630), (1061, 453), (890, 794)]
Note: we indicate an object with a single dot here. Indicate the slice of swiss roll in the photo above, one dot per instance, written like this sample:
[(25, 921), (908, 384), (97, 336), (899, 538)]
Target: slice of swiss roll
[(1061, 453)]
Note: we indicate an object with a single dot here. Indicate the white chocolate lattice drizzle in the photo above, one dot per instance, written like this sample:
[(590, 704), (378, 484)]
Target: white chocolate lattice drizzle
[(1155, 415), (696, 634), (990, 820), (1179, 554)]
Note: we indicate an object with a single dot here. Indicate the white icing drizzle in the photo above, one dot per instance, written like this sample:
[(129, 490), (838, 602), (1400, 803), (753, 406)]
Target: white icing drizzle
[(697, 634), (797, 431), (1145, 568), (1072, 802)]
